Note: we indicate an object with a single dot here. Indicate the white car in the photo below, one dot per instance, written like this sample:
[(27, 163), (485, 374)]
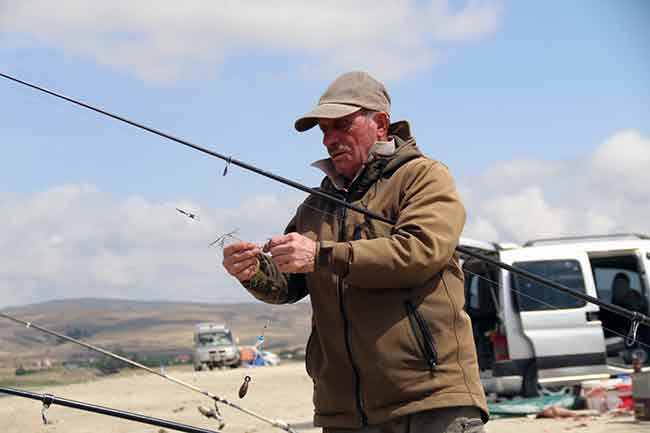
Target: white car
[(270, 358)]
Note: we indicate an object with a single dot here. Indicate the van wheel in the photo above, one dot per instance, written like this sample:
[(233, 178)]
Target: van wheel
[(530, 387)]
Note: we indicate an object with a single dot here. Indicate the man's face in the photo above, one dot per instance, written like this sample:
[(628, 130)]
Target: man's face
[(348, 141)]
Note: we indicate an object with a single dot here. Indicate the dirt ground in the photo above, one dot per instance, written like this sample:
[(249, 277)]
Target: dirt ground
[(282, 392)]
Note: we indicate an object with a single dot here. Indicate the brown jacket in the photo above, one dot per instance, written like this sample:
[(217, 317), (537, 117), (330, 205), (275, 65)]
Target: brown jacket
[(390, 336)]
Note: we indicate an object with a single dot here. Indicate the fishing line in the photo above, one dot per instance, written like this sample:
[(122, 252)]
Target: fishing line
[(636, 317), (259, 342)]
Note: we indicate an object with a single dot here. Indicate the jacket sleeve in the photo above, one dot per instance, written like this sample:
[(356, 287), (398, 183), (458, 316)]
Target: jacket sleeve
[(274, 287), (429, 223)]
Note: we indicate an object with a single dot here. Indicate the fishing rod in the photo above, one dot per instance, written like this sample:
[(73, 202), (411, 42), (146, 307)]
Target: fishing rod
[(49, 400), (207, 412), (636, 318)]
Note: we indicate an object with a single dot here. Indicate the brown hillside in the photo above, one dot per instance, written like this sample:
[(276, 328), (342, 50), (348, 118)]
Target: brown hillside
[(142, 327)]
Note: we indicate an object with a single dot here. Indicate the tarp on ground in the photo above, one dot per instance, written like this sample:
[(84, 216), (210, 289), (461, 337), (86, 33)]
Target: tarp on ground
[(529, 406)]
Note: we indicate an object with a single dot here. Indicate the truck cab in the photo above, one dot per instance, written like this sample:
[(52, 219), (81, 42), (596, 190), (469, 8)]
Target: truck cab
[(530, 336), (214, 347)]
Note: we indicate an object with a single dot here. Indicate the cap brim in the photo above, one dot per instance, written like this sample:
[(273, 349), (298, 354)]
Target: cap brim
[(324, 111)]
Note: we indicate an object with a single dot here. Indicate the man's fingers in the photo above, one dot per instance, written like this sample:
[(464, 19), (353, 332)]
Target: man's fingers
[(246, 274), (244, 255), (229, 260), (244, 264), (290, 267), (278, 240), (235, 268), (282, 249), (239, 246), (283, 259)]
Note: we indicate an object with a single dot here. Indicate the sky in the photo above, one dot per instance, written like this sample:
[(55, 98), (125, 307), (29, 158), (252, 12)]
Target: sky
[(540, 109)]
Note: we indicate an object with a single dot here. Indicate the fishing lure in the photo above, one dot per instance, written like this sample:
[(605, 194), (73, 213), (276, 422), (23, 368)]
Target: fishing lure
[(190, 215), (243, 389)]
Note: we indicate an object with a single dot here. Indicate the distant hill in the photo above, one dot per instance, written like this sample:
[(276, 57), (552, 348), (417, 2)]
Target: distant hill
[(143, 327)]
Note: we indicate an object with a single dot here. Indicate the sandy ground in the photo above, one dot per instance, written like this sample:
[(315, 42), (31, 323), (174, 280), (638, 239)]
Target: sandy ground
[(282, 392)]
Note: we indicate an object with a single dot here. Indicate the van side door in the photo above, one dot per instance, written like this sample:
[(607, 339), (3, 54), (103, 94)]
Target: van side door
[(564, 331)]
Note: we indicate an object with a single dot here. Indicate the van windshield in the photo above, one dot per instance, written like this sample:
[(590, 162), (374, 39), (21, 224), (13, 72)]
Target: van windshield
[(215, 339)]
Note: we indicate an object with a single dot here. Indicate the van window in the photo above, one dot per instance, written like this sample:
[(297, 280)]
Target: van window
[(533, 296), (605, 270), (214, 339)]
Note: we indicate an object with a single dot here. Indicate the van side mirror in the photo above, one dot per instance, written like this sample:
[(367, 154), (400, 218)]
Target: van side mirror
[(647, 255)]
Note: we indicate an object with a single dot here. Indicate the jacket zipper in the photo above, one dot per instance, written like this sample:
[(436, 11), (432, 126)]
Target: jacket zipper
[(346, 328), (422, 335)]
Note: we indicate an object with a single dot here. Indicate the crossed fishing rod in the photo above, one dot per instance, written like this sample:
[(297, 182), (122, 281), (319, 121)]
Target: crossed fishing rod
[(635, 318), (210, 413)]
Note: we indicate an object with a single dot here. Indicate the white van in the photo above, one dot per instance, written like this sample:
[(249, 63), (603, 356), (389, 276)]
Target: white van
[(529, 336), (214, 347)]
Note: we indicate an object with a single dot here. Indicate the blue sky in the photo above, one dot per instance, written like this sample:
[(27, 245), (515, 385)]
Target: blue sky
[(561, 89)]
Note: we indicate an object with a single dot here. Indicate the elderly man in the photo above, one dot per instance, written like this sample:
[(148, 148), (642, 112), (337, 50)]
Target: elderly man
[(391, 348)]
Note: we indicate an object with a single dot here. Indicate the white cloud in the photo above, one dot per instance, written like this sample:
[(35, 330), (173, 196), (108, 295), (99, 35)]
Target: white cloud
[(163, 40), (624, 157), (76, 241), (606, 191), (474, 20)]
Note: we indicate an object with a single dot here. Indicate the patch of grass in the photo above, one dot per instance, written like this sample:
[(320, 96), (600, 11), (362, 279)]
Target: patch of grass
[(48, 378), (9, 383)]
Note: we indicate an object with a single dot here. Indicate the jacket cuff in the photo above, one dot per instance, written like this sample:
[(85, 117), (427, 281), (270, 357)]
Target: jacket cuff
[(333, 257)]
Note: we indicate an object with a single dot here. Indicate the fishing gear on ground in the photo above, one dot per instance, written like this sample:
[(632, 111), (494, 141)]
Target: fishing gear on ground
[(217, 399), (49, 400)]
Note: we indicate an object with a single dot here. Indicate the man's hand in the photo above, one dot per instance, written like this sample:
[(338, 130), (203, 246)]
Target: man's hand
[(240, 260), (292, 253)]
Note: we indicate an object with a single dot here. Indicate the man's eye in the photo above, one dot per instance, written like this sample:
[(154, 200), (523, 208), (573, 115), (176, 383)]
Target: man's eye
[(341, 126)]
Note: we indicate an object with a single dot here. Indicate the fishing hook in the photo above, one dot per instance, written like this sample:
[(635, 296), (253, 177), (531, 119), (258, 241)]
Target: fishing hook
[(221, 240)]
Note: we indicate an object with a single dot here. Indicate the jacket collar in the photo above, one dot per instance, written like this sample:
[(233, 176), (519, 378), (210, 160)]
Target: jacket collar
[(383, 161), (379, 149)]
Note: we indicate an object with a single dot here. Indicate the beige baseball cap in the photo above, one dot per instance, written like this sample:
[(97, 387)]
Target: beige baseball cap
[(349, 93)]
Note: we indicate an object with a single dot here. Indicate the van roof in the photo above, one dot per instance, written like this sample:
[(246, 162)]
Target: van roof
[(486, 246), (588, 238), (589, 244), (210, 326)]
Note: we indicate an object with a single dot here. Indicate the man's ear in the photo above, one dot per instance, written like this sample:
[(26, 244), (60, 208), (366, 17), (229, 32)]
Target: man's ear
[(382, 121)]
